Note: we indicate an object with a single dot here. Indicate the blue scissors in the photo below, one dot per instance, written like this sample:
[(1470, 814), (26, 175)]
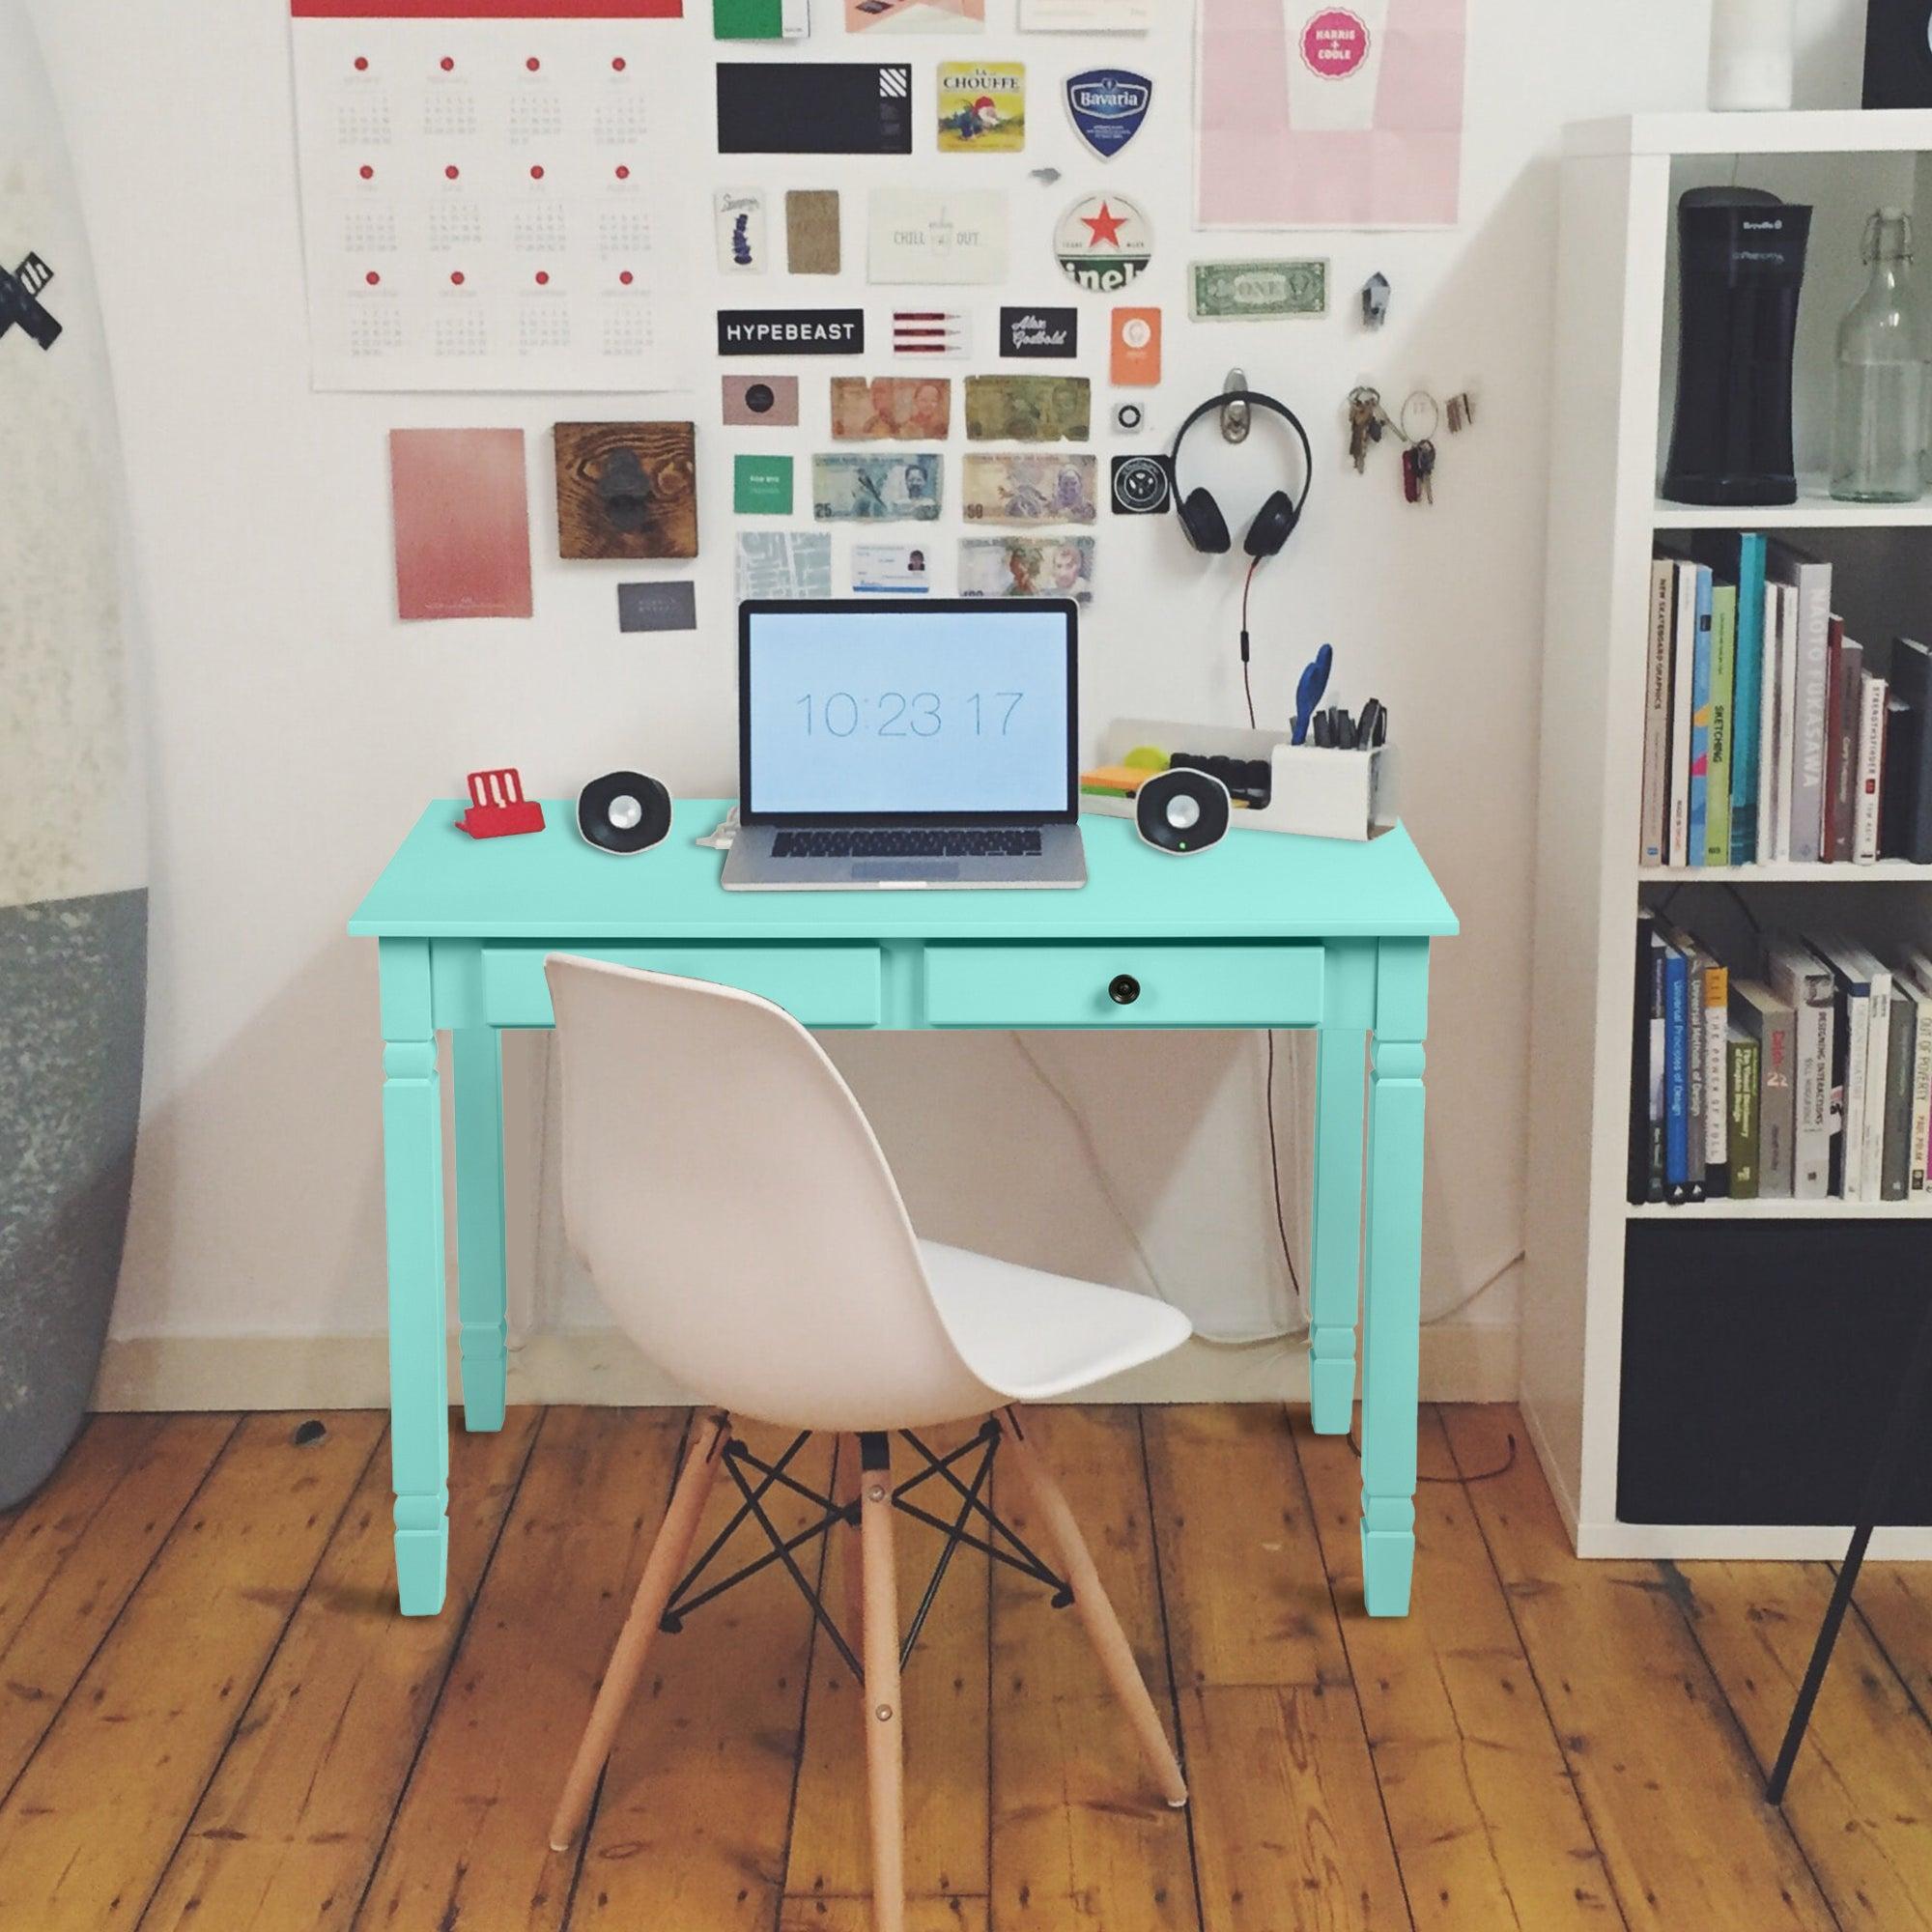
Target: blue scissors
[(1308, 692)]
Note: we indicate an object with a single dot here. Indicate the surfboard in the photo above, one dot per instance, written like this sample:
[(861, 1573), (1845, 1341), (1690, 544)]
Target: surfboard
[(73, 858)]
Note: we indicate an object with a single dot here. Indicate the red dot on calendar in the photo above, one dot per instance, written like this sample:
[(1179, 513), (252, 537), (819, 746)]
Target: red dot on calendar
[(447, 64), (617, 65), (451, 172), (543, 278), (623, 173), (626, 277), (372, 278), (361, 63), (536, 173), (456, 276), (366, 172), (533, 62)]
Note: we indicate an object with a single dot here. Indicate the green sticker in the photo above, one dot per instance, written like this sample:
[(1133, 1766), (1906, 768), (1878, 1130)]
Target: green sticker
[(761, 485)]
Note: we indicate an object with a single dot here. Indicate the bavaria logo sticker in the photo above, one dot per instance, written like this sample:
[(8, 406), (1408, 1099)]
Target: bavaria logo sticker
[(1108, 105)]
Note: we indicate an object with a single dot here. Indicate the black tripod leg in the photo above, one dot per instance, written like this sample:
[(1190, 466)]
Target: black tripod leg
[(1877, 1493)]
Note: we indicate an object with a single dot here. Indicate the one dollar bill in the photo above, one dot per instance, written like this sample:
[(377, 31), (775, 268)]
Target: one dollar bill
[(1256, 290)]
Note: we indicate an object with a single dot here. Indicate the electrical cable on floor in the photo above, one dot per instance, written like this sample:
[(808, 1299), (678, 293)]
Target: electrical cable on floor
[(1502, 1469)]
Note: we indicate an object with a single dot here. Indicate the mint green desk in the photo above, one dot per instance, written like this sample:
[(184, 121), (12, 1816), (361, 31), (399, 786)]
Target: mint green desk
[(1266, 930)]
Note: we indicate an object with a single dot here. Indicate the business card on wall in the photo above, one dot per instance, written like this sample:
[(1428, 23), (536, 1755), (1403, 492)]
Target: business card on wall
[(1136, 346), (657, 606), (894, 570), (770, 400), (847, 108), (740, 214), (932, 331), (1047, 333), (917, 235), (812, 231)]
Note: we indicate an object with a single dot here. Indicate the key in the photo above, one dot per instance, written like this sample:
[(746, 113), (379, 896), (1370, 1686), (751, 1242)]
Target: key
[(1462, 414), (1425, 469), (1361, 426)]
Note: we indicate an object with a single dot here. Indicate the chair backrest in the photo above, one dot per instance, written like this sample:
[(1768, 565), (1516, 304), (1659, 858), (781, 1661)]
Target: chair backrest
[(728, 1197)]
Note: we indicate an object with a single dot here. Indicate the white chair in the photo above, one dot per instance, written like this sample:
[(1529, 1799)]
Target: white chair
[(728, 1198)]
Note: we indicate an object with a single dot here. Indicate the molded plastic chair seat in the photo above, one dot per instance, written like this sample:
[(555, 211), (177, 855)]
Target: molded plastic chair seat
[(732, 1204), (1033, 1335)]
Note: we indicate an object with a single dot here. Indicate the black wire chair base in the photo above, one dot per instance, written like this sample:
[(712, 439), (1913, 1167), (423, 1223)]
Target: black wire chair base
[(999, 1542)]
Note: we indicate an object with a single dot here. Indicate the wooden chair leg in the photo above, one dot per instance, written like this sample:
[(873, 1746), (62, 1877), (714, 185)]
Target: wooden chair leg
[(1061, 1535), (662, 1570), (885, 1741)]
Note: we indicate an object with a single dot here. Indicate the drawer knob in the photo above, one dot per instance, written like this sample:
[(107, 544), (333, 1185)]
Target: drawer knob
[(1124, 989)]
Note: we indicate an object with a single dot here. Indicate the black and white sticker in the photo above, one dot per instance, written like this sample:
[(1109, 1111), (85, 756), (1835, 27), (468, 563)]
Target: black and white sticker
[(1142, 486), (1046, 332)]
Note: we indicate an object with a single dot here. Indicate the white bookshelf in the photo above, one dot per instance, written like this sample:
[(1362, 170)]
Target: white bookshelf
[(1614, 362)]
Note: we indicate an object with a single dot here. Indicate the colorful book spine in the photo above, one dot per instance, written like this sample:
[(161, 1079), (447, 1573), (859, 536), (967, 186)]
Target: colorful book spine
[(1723, 706), (1746, 735), (1873, 692), (1771, 1022), (1900, 1069), (1683, 665), (1654, 843), (1847, 672), (1696, 830), (1676, 1075)]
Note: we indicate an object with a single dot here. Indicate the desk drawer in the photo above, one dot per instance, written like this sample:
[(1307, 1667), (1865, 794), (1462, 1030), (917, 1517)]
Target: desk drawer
[(1159, 985), (818, 985)]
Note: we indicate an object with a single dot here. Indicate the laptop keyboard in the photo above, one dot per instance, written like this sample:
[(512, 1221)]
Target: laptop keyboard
[(937, 842)]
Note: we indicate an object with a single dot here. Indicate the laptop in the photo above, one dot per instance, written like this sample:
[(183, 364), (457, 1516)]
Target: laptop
[(907, 743)]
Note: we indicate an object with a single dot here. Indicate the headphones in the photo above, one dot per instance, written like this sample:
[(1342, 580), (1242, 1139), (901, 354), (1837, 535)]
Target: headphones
[(1201, 518)]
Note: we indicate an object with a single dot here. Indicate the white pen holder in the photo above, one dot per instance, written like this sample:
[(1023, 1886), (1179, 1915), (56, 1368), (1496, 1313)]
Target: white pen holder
[(1316, 791)]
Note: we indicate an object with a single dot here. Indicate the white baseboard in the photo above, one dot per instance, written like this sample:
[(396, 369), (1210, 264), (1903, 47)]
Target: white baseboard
[(1476, 1363)]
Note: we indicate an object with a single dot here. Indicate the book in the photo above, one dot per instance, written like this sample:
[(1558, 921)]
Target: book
[(1696, 830), (1842, 761), (1851, 1059), (1703, 1094), (1676, 1075), (1895, 1162), (1738, 556), (1805, 984), (1788, 689), (1771, 1022), (1715, 1024), (1908, 776), (1723, 695), (1742, 1113), (1832, 654), (1646, 1144), (1683, 663), (1915, 982), (1811, 578), (1654, 841), (1873, 692)]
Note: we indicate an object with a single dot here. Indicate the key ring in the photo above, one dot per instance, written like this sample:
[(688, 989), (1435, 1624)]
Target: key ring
[(1413, 397)]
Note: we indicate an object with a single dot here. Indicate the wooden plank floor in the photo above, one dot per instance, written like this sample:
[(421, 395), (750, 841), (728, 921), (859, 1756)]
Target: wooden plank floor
[(211, 1718)]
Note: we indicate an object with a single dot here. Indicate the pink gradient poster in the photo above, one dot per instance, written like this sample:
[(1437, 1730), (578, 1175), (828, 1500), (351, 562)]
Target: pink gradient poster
[(1311, 115)]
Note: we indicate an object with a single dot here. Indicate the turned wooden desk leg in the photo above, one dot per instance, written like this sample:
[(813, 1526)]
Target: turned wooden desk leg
[(477, 1058), (419, 1357), (1336, 1250), (1392, 1296)]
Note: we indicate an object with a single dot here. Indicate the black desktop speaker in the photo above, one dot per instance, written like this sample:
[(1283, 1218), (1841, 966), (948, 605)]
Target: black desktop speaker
[(1898, 53), (1741, 254), (1183, 810), (623, 813)]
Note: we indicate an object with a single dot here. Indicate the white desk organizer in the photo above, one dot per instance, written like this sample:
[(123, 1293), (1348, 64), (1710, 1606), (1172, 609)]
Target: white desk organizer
[(1321, 793)]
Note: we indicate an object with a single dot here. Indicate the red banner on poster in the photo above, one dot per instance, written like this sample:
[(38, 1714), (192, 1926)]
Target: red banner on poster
[(487, 10)]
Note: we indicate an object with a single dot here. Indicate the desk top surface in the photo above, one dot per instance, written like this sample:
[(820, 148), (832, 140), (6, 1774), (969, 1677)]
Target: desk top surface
[(549, 884)]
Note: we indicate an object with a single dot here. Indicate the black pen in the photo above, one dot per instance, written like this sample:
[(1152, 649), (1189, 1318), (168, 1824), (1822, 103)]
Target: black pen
[(1368, 723)]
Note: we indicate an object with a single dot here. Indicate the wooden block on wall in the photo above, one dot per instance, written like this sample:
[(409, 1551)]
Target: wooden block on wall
[(626, 490)]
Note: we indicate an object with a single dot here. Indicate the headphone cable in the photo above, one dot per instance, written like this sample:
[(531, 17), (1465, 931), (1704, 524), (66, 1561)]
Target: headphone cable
[(1247, 689)]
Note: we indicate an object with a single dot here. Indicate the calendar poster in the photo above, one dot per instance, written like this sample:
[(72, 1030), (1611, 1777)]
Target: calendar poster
[(489, 194)]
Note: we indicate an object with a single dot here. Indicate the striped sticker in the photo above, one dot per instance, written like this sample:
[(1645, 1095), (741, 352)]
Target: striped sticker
[(932, 331)]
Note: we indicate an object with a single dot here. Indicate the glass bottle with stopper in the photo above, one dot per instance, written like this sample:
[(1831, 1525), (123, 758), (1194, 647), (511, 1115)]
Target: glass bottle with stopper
[(1878, 420)]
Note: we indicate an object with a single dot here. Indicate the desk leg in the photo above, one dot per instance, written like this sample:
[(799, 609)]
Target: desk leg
[(1336, 1263), (1392, 1298), (418, 1367), (476, 1059)]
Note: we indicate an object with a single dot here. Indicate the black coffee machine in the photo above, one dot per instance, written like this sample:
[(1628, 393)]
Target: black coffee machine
[(1742, 256)]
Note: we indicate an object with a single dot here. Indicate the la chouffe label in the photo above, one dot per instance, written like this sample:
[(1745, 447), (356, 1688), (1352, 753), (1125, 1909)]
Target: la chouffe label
[(1045, 332)]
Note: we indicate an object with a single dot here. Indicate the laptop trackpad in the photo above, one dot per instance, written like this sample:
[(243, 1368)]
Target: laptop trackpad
[(902, 868)]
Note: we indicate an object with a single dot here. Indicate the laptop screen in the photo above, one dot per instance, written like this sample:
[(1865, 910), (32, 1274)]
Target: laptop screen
[(908, 711)]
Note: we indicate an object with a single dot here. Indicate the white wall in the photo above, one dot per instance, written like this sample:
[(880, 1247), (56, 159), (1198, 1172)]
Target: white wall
[(297, 729)]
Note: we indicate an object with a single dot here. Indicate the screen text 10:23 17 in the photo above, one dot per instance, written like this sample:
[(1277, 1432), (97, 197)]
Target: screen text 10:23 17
[(899, 714)]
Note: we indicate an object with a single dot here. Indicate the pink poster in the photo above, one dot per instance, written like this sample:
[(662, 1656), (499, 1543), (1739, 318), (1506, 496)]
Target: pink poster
[(1316, 116)]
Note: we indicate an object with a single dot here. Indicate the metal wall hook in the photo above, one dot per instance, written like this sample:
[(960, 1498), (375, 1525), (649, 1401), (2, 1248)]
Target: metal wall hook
[(1236, 418)]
